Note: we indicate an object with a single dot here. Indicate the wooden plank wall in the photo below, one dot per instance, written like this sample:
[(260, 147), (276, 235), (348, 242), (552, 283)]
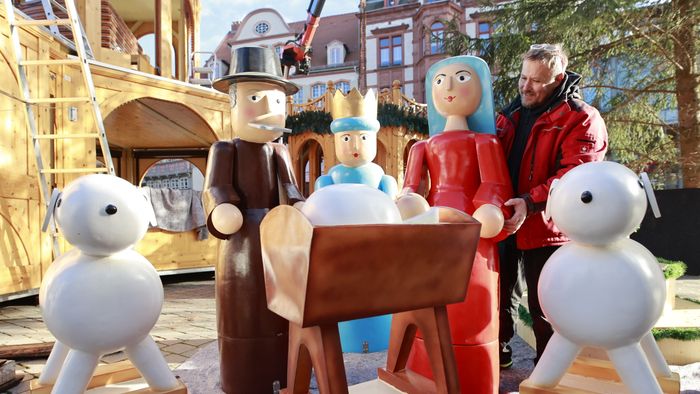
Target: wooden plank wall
[(25, 252)]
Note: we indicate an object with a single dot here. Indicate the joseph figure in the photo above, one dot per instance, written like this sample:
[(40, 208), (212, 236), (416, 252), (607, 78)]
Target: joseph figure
[(245, 178)]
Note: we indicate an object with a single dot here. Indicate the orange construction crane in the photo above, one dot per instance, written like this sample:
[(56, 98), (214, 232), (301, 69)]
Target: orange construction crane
[(297, 52)]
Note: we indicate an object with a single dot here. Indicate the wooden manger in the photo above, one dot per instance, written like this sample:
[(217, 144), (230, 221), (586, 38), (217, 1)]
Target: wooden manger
[(316, 277)]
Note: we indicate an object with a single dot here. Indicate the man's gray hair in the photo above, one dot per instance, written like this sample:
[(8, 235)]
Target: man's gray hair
[(232, 94), (552, 55)]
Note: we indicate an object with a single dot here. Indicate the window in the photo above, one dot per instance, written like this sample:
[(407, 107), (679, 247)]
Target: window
[(437, 38), (485, 29), (384, 52), (397, 50), (318, 90), (299, 96), (343, 86), (262, 28), (336, 54), (390, 51)]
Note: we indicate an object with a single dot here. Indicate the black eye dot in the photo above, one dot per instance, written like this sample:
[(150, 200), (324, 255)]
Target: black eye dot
[(58, 203), (641, 184), (586, 197), (111, 209)]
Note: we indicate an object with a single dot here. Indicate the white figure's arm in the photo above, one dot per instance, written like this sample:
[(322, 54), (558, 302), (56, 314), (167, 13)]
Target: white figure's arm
[(226, 218)]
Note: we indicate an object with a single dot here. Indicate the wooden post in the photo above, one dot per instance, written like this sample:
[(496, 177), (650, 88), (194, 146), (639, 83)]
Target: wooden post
[(164, 37), (195, 35), (330, 90), (182, 53), (90, 12), (290, 106), (314, 164), (396, 92)]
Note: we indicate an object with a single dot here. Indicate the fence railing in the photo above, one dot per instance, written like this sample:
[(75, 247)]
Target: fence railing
[(386, 95)]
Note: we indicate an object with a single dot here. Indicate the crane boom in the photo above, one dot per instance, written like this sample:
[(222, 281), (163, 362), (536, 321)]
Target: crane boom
[(297, 53)]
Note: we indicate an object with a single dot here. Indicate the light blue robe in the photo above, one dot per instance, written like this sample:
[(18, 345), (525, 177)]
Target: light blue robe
[(369, 174)]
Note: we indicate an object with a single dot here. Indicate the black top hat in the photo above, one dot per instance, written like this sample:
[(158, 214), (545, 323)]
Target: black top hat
[(255, 64)]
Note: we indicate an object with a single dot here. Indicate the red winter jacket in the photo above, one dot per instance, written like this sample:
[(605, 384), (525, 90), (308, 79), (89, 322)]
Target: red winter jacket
[(570, 133)]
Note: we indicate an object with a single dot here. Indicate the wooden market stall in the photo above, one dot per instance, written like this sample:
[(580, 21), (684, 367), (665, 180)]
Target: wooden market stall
[(149, 113)]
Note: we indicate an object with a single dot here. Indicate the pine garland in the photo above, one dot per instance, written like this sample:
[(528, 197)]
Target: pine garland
[(391, 115), (318, 122), (388, 115)]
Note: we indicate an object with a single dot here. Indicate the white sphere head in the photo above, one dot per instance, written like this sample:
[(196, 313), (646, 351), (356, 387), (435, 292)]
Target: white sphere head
[(102, 214), (350, 203), (598, 203)]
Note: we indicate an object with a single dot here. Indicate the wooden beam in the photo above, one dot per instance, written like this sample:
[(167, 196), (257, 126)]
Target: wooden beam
[(30, 350), (196, 13), (133, 26), (177, 126), (182, 54), (164, 37), (90, 12)]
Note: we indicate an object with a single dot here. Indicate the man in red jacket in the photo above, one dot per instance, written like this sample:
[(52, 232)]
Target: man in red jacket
[(545, 132)]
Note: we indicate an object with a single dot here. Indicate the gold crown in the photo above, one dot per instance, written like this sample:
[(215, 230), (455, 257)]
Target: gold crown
[(354, 105)]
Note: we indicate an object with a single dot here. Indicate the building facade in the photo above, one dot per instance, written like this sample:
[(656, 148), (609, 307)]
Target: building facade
[(401, 40)]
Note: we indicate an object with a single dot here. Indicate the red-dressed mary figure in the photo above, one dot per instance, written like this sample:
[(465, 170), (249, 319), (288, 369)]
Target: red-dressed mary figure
[(467, 171)]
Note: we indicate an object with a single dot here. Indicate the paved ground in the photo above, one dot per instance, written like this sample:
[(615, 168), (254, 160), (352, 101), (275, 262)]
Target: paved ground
[(188, 324)]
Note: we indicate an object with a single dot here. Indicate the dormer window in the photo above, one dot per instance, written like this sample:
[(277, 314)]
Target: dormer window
[(336, 53), (262, 28)]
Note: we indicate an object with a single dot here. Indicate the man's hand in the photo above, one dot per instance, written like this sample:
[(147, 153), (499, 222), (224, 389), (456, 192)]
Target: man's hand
[(520, 213)]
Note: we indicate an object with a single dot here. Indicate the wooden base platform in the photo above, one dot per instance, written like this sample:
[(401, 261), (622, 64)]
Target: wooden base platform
[(595, 376), (115, 375)]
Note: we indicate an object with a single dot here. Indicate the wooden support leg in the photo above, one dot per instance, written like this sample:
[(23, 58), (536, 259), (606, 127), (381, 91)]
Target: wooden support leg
[(53, 364), (656, 358), (556, 359), (317, 347), (634, 369), (76, 372), (148, 359), (435, 327)]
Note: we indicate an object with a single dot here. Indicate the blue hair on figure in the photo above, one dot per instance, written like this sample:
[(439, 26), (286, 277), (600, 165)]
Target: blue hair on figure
[(483, 120)]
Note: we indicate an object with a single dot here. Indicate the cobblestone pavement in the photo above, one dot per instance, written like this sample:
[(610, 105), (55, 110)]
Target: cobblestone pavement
[(187, 323)]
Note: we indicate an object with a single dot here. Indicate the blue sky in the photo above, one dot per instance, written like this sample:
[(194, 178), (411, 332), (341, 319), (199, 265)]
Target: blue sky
[(217, 15)]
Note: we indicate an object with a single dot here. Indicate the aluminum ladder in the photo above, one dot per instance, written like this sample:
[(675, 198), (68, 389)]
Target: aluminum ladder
[(81, 61)]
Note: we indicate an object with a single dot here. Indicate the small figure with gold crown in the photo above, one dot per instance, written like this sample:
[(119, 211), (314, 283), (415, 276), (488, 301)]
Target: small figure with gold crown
[(355, 128)]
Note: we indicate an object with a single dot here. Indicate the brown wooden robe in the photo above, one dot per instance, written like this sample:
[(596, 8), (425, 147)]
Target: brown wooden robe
[(252, 339)]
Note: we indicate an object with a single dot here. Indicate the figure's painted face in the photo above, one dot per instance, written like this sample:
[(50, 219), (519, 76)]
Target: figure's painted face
[(355, 148), (456, 90), (537, 83), (598, 203), (102, 214), (259, 112)]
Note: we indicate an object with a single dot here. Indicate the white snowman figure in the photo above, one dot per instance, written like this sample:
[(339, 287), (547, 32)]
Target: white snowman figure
[(602, 289), (101, 296)]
